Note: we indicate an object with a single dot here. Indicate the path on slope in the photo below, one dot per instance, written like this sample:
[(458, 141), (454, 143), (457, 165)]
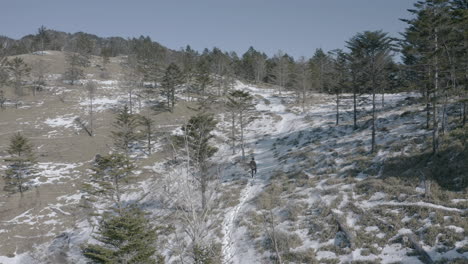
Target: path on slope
[(259, 138)]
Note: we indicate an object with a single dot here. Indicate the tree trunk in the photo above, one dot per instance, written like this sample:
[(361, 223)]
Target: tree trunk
[(373, 121), (428, 108), (173, 98), (242, 134), (203, 182), (464, 114), (435, 132), (355, 109), (444, 112), (117, 195), (337, 108), (91, 130), (233, 133), (383, 98), (130, 104), (149, 139)]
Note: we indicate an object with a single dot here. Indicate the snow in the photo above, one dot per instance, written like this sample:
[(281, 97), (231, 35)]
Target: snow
[(41, 52), (51, 172), (456, 228), (67, 121), (370, 204), (325, 255), (274, 137), (105, 103), (17, 259), (371, 228)]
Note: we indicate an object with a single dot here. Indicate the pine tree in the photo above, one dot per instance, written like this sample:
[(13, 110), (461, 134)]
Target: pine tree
[(241, 103), (125, 238), (4, 76), (75, 70), (197, 134), (202, 78), (42, 38), (106, 53), (20, 166), (126, 133), (426, 39), (373, 48), (172, 79), (110, 173), (321, 65), (340, 77), (20, 70), (148, 131)]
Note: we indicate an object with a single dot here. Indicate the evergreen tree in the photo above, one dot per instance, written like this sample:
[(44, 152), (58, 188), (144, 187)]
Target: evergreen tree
[(148, 127), (106, 53), (188, 63), (110, 173), (42, 38), (172, 79), (203, 79), (373, 48), (321, 65), (4, 76), (125, 238), (19, 70), (240, 103), (426, 39), (84, 47), (125, 134), (340, 77), (196, 139), (149, 57), (75, 70), (2, 100), (20, 166)]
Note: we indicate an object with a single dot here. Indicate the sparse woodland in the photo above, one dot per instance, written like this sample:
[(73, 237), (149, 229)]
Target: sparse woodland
[(121, 150)]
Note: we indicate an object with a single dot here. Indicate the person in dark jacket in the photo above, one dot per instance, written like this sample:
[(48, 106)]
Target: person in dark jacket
[(253, 166)]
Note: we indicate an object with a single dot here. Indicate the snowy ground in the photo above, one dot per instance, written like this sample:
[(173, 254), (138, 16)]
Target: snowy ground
[(276, 145), (312, 177)]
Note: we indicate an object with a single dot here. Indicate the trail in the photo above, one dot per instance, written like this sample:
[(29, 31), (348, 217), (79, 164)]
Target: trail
[(235, 249)]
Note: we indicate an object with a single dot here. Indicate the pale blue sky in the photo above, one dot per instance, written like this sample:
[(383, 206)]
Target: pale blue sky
[(297, 27)]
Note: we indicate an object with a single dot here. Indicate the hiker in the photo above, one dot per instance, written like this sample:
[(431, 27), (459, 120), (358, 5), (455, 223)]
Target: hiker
[(253, 166)]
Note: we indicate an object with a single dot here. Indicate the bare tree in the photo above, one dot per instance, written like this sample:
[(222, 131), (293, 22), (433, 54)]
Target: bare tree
[(270, 229), (305, 80), (91, 89), (39, 70), (281, 70), (183, 187), (130, 80)]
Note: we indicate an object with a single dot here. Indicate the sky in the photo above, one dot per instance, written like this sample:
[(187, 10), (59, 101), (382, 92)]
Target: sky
[(297, 27)]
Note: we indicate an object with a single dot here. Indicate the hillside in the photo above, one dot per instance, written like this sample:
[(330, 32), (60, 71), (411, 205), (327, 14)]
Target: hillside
[(319, 196)]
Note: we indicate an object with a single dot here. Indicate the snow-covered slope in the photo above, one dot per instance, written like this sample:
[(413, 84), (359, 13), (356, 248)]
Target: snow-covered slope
[(319, 196)]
